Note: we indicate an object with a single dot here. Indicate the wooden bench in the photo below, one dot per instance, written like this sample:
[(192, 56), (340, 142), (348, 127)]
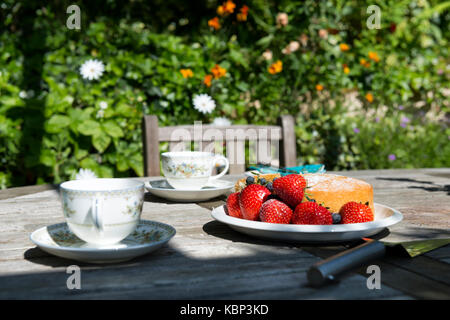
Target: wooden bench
[(262, 142)]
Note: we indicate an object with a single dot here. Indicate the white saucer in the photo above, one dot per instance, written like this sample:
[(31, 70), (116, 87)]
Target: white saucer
[(58, 240), (384, 217), (161, 188)]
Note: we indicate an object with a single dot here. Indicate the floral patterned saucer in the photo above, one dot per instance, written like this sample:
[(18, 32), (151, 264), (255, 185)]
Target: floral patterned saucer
[(58, 240), (213, 189)]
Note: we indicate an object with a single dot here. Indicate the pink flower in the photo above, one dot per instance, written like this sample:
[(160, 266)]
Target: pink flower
[(303, 39), (323, 33), (291, 47), (282, 19), (392, 157), (356, 130), (267, 55)]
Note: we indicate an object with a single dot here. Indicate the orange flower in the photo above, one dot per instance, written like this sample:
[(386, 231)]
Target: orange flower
[(220, 11), (364, 63), (319, 87), (243, 15), (346, 69), (214, 23), (374, 56), (369, 97), (344, 47), (187, 73), (207, 80), (228, 6), (276, 67), (218, 71)]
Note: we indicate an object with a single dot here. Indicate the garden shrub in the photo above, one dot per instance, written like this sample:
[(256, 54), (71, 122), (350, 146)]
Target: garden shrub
[(363, 98)]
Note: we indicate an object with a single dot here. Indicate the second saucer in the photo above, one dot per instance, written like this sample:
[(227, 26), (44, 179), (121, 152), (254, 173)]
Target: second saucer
[(162, 189)]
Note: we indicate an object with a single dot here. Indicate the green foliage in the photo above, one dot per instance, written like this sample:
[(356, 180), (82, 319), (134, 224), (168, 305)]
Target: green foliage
[(52, 123)]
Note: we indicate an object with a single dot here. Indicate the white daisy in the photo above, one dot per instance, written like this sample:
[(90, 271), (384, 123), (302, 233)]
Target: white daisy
[(103, 105), (100, 113), (84, 174), (221, 122), (92, 69), (23, 94), (204, 103)]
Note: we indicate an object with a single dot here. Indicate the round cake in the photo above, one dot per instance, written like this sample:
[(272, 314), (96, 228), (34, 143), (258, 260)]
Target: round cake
[(333, 191)]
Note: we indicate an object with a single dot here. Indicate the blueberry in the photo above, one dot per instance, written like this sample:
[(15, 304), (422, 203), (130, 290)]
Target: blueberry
[(269, 186), (262, 181), (250, 180), (336, 218)]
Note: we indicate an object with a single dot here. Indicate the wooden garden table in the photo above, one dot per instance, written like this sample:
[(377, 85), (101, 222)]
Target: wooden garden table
[(208, 260)]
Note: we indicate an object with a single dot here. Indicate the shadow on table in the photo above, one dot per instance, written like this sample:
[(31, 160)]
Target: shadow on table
[(432, 188), (173, 274), (148, 197), (445, 188), (264, 270), (404, 180), (220, 230)]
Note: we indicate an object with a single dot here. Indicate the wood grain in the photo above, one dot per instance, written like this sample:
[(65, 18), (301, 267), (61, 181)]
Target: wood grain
[(150, 138)]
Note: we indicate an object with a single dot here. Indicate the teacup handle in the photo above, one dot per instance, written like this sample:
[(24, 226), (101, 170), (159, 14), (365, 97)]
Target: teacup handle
[(96, 209), (227, 166)]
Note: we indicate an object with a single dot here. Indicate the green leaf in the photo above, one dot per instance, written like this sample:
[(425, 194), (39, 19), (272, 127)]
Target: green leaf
[(265, 41), (122, 164), (89, 128), (136, 163), (106, 172), (238, 58), (112, 128), (101, 142), (89, 163), (57, 123), (47, 158), (80, 153)]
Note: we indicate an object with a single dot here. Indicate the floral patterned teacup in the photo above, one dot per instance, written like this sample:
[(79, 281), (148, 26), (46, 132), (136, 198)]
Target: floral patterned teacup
[(191, 170), (102, 211)]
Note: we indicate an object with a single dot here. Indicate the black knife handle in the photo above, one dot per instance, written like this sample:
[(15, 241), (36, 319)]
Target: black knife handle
[(329, 269)]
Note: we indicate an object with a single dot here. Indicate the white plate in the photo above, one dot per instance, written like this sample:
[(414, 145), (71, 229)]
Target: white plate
[(58, 240), (384, 217), (161, 188)]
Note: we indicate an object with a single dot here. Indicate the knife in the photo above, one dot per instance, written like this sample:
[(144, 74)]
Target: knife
[(331, 268)]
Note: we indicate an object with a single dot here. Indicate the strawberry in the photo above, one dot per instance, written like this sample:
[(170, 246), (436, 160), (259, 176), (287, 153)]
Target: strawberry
[(311, 213), (290, 189), (353, 212), (275, 211), (251, 199), (233, 208)]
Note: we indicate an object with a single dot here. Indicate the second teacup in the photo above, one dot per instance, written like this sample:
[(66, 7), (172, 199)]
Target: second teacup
[(191, 170)]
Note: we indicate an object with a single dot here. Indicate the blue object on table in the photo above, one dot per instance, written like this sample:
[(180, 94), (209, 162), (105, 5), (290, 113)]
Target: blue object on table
[(309, 168)]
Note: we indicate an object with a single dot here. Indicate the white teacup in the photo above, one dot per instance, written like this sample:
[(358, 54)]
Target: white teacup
[(191, 170), (102, 211)]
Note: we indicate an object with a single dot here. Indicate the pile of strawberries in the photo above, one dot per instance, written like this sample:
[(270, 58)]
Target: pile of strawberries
[(280, 201)]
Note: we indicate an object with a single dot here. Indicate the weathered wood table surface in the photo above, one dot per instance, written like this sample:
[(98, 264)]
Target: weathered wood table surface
[(208, 260)]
